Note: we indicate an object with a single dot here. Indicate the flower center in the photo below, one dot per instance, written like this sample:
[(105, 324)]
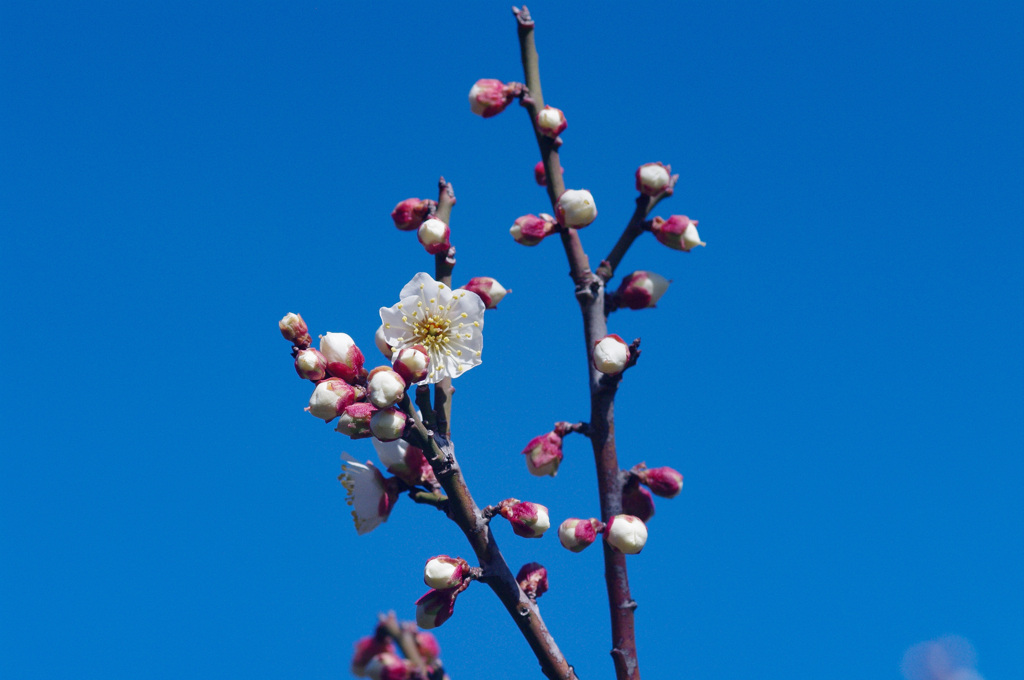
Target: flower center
[(432, 331)]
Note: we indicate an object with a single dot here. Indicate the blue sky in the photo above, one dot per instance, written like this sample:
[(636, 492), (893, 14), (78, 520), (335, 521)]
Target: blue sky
[(838, 375)]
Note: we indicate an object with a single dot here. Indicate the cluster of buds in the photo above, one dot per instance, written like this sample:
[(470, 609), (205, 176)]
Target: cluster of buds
[(577, 534), (678, 232), (376, 656), (489, 290), (529, 230), (575, 208), (551, 122), (611, 355), (489, 97), (410, 213), (529, 520), (641, 289), (544, 454), (653, 179)]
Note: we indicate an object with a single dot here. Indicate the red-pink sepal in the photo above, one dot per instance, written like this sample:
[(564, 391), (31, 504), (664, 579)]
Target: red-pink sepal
[(344, 359), (540, 173), (436, 606), (544, 454), (355, 420), (637, 501), (533, 579), (310, 364), (388, 666), (489, 97), (294, 330), (412, 363), (529, 520), (662, 481), (434, 235), (529, 230), (427, 646), (641, 290), (551, 122), (368, 647), (409, 214), (653, 179), (489, 290), (577, 534), (678, 232)]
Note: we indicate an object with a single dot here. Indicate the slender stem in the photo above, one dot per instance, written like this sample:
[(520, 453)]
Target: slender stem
[(443, 265), (590, 295)]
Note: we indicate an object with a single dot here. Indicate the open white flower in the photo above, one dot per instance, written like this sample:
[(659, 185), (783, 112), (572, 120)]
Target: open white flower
[(448, 323), (370, 495)]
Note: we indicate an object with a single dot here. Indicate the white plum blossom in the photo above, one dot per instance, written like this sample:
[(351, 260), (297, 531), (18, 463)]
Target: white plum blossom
[(448, 323), (370, 495)]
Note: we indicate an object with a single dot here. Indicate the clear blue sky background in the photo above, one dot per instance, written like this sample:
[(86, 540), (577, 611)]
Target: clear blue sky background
[(839, 374)]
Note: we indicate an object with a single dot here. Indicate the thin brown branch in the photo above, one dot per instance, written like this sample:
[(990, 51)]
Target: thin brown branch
[(644, 205), (443, 265)]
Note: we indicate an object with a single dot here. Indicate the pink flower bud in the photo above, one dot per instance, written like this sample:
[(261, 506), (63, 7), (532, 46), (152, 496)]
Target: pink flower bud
[(405, 461), (489, 290), (529, 230), (428, 648), (662, 481), (575, 208), (384, 387), (489, 97), (626, 534), (642, 289), (387, 424), (544, 454), (330, 398), (540, 173), (412, 363), (611, 354), (355, 420), (382, 342), (310, 364), (294, 330), (433, 234), (551, 121), (443, 572), (344, 360), (576, 534), (654, 178), (678, 232), (637, 501), (435, 607), (367, 648), (529, 520), (533, 579), (387, 666), (410, 213)]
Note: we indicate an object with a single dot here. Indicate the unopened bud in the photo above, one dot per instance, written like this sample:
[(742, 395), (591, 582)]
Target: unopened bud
[(344, 360), (489, 97), (382, 342), (294, 330), (387, 424), (540, 173), (409, 214), (544, 454), (653, 178), (662, 481), (637, 501), (489, 290), (310, 364), (529, 230), (330, 398), (678, 232), (611, 354), (443, 572), (435, 607), (529, 520), (355, 420), (551, 121), (366, 648), (533, 579), (384, 387), (433, 234), (428, 648), (412, 363), (642, 289), (405, 461), (575, 208), (576, 534), (626, 534), (387, 666)]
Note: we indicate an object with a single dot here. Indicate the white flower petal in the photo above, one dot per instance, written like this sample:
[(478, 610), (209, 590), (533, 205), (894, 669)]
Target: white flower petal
[(365, 487)]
